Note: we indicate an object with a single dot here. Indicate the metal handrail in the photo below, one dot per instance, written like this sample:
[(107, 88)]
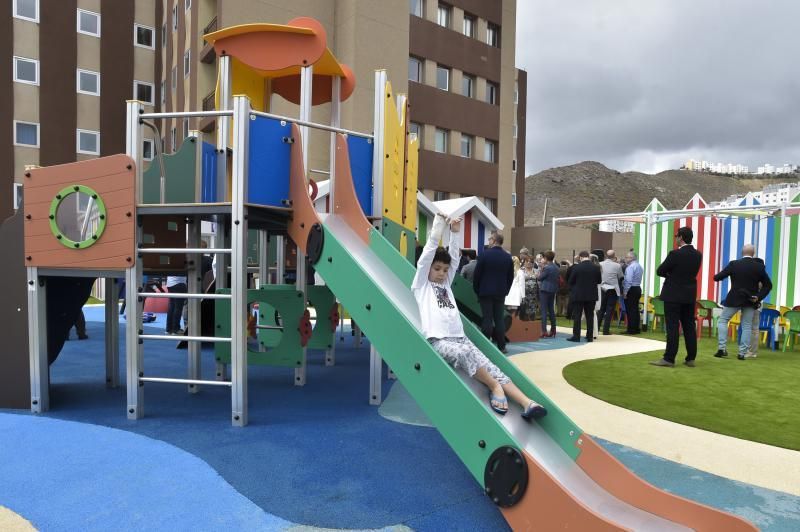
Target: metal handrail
[(313, 125), (185, 114)]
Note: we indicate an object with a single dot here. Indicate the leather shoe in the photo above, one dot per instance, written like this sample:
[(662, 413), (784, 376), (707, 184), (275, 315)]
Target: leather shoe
[(573, 339), (589, 340), (689, 363), (503, 350), (721, 353), (740, 357), (662, 363)]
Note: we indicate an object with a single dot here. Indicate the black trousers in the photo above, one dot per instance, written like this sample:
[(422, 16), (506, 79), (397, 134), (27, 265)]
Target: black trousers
[(680, 315), (80, 325), (608, 303), (632, 309), (493, 313), (175, 308), (587, 309)]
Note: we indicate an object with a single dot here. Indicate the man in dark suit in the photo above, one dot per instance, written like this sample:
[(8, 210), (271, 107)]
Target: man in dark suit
[(494, 273), (583, 281), (750, 284), (679, 295)]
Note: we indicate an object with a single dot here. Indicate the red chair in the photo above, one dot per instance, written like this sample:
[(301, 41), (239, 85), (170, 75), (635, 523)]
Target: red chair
[(704, 311)]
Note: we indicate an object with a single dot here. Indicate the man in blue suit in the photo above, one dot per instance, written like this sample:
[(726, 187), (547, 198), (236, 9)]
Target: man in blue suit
[(494, 273)]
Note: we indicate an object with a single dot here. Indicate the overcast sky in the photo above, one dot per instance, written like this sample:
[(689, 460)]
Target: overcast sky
[(647, 84)]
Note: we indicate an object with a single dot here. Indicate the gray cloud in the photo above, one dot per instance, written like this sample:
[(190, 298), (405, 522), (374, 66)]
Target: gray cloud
[(646, 85)]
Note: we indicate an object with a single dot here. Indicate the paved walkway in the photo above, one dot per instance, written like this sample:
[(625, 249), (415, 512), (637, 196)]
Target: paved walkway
[(11, 522), (754, 463)]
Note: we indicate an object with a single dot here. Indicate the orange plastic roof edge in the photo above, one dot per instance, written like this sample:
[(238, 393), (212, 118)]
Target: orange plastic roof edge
[(254, 27)]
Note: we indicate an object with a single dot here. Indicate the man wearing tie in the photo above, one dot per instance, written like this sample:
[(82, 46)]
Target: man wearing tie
[(632, 291), (750, 284), (679, 295)]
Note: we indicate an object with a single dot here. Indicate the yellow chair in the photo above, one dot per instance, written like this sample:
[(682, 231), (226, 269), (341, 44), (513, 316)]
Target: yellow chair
[(783, 325), (733, 325)]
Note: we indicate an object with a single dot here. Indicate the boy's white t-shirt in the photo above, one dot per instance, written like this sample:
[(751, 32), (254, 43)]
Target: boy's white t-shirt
[(438, 312)]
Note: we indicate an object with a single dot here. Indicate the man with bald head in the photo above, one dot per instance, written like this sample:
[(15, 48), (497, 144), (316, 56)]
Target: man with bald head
[(750, 284)]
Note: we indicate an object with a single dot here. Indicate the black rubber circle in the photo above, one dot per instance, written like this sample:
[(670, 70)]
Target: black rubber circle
[(506, 476), (314, 243)]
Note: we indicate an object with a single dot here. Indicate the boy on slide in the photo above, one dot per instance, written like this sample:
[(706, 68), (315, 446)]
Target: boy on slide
[(441, 321)]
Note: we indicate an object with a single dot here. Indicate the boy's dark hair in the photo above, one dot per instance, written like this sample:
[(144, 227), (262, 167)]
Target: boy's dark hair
[(549, 255), (584, 254), (442, 255), (686, 234), (473, 254)]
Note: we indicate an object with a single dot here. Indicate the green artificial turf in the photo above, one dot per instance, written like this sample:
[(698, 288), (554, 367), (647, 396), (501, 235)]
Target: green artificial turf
[(754, 399)]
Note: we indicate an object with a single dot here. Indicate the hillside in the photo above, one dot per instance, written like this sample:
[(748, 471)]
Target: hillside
[(591, 188)]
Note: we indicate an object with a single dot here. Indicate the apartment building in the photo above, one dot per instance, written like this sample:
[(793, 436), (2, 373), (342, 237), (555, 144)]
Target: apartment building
[(455, 60), (72, 66)]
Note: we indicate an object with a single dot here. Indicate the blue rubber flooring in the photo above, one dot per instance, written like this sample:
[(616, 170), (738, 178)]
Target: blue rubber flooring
[(317, 455)]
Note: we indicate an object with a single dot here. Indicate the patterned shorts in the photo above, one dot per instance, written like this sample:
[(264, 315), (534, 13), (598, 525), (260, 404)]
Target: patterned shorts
[(462, 354)]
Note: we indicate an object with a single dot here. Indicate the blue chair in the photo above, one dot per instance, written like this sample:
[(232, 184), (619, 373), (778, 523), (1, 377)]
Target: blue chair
[(766, 326), (623, 312)]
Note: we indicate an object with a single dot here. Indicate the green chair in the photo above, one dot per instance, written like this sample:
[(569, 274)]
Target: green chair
[(793, 319), (658, 312)]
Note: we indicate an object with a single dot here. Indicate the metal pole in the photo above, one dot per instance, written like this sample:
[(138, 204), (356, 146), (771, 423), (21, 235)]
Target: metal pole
[(336, 116), (646, 277), (263, 257), (112, 332), (241, 130), (37, 342), (194, 286), (780, 300), (378, 148), (306, 78), (553, 234), (133, 276), (223, 136), (375, 376), (314, 125)]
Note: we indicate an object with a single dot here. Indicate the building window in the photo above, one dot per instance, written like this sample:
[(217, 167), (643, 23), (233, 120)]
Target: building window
[(174, 78), (513, 165), (163, 34), (414, 69), (26, 134), (469, 25), (88, 82), (187, 63), (144, 36), (417, 7), (187, 5), (175, 18), (173, 136), (163, 92), (514, 131), (143, 92), (442, 140), (468, 86), (27, 10), (516, 95), (438, 195), (467, 142), (513, 199), (490, 151), (492, 92), (443, 15), (415, 130), (18, 196), (147, 149), (186, 127), (491, 204), (89, 23), (443, 78), (26, 70), (493, 35), (88, 142)]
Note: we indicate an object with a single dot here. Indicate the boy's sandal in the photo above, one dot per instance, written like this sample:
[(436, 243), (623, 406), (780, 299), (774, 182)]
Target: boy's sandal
[(534, 411), (499, 409)]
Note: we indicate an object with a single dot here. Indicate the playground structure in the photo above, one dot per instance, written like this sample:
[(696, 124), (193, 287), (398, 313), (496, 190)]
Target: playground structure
[(104, 218)]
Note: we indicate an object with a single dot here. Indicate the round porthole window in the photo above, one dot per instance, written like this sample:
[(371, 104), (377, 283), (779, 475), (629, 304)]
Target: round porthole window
[(77, 216)]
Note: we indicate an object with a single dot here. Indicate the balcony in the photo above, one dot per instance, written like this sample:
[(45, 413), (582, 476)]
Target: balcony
[(208, 123), (207, 54)]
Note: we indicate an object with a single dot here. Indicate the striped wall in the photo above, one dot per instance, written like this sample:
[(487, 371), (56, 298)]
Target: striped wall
[(706, 231), (662, 236)]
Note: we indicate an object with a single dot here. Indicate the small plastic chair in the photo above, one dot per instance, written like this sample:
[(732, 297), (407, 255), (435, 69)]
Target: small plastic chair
[(623, 312), (734, 324), (793, 319), (766, 325), (658, 312), (704, 311)]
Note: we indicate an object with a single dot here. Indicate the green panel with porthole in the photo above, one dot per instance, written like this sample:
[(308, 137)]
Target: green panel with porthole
[(77, 216)]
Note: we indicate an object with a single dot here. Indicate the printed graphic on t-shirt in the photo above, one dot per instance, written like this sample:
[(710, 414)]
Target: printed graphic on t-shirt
[(442, 299)]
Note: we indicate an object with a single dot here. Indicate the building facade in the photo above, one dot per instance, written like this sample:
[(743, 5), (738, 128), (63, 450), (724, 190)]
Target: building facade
[(72, 66), (455, 60)]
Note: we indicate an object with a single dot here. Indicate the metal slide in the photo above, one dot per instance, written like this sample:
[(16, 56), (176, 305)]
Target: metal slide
[(569, 481)]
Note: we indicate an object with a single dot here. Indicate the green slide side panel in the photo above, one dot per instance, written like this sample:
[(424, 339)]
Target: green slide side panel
[(461, 417), (283, 347), (396, 233), (322, 299), (467, 299), (179, 170), (557, 424)]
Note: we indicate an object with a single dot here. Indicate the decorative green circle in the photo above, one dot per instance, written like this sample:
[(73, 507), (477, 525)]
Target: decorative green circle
[(102, 216)]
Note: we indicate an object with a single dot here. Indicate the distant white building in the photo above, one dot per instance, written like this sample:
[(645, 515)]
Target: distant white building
[(616, 226), (717, 168)]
